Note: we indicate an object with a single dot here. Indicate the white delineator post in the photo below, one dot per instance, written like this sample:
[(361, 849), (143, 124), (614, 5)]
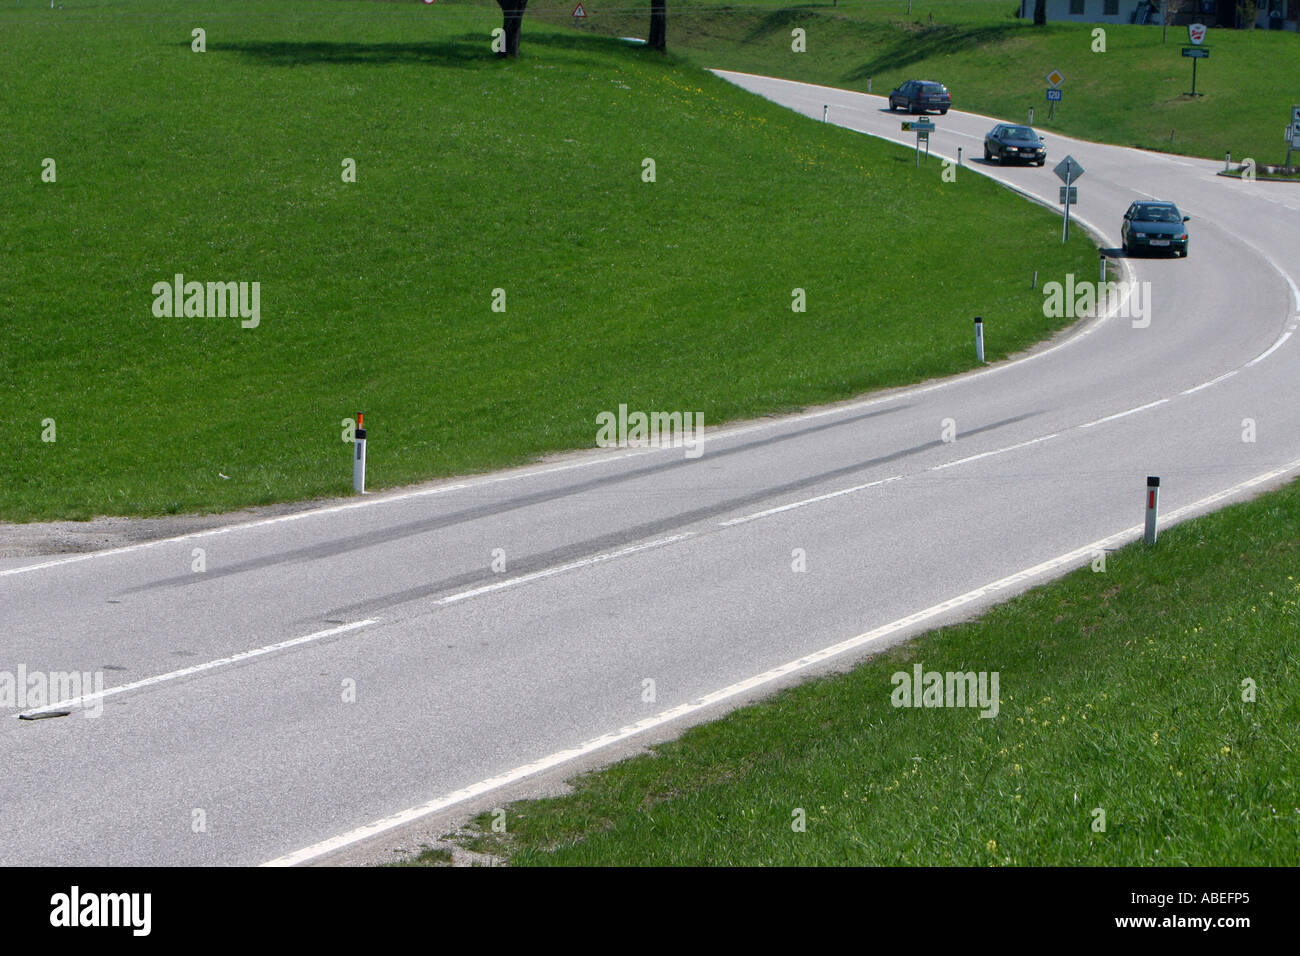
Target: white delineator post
[(1153, 507), (359, 458), (979, 338)]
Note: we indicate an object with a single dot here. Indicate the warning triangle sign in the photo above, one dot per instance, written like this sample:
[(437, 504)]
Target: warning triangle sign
[(579, 12)]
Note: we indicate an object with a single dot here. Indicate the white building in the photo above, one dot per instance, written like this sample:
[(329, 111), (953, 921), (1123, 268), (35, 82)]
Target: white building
[(1279, 14)]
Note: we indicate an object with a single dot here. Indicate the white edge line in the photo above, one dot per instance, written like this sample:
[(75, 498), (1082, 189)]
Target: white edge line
[(1273, 348), (200, 668), (560, 757)]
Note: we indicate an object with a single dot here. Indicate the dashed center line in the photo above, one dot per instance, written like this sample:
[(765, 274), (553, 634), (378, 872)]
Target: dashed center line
[(996, 451), (561, 568), (807, 501), (200, 668), (1131, 411)]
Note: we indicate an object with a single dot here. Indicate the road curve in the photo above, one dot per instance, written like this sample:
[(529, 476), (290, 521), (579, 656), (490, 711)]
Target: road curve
[(228, 735)]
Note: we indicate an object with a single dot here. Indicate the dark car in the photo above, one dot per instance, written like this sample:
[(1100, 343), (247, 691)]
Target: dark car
[(920, 96), (1006, 142), (1154, 227)]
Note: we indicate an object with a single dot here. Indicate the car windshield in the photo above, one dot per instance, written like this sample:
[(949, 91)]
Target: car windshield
[(932, 88), (1019, 132), (1159, 214)]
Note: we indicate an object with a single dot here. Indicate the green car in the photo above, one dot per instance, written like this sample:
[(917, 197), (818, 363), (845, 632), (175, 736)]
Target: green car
[(1154, 227)]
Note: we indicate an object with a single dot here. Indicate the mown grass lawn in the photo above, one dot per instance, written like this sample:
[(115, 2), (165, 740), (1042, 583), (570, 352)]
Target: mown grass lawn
[(472, 175), (1124, 735), (1133, 94)]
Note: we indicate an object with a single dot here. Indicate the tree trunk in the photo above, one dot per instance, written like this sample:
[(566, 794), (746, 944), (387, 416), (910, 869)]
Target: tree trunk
[(512, 19), (659, 25), (1040, 12)]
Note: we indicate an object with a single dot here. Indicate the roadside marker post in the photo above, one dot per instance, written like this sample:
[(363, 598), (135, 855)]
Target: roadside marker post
[(825, 110), (1101, 258), (359, 458), (979, 338), (1153, 507)]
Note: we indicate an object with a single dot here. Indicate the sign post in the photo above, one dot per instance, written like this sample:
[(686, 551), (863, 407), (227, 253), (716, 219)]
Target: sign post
[(923, 129), (1055, 78), (1068, 171), (1196, 35), (1293, 134)]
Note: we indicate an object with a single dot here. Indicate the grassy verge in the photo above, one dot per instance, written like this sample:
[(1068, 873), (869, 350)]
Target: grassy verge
[(1263, 175), (1121, 692), (472, 175), (1133, 94)]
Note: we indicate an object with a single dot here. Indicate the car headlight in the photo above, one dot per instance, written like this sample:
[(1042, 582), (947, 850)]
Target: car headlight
[(1140, 235)]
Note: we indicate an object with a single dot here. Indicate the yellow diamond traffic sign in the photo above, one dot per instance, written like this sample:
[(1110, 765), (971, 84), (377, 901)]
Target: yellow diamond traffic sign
[(1055, 78)]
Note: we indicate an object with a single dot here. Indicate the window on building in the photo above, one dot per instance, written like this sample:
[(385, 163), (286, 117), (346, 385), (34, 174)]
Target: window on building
[(1111, 8), (1076, 8)]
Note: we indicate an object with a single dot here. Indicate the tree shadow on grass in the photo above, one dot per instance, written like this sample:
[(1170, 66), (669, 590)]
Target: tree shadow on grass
[(905, 44), (464, 51), (933, 41), (469, 50), (779, 21)]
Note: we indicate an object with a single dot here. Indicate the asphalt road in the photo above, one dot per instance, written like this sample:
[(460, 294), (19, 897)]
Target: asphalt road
[(624, 565)]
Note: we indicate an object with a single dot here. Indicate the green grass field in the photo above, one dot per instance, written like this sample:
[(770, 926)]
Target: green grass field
[(1121, 691), (1131, 95), (472, 175)]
